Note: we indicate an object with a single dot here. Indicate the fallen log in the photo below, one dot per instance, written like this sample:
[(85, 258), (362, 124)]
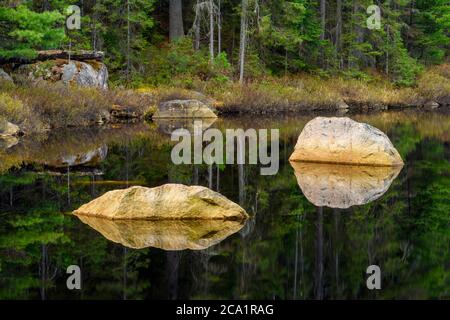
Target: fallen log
[(80, 55)]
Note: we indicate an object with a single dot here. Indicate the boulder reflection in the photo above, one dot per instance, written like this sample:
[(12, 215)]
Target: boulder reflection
[(343, 186), (168, 126), (167, 235)]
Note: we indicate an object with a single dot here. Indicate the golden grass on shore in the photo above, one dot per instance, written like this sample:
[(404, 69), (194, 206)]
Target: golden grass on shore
[(46, 106), (53, 105), (307, 92)]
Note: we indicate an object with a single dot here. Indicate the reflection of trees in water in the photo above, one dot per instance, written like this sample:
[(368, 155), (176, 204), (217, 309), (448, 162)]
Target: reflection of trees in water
[(173, 264), (282, 252), (47, 271), (318, 264)]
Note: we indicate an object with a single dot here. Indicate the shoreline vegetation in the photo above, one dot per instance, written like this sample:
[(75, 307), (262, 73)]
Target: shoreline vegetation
[(238, 57), (44, 106)]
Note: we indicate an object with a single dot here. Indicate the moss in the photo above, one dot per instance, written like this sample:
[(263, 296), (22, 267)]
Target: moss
[(97, 65)]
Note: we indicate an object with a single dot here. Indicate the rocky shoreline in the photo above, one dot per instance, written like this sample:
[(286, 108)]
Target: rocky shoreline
[(70, 89)]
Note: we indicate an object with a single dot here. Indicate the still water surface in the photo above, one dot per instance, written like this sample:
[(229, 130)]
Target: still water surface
[(293, 247)]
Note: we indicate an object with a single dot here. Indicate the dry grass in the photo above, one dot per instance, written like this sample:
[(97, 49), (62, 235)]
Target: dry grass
[(307, 92), (48, 106)]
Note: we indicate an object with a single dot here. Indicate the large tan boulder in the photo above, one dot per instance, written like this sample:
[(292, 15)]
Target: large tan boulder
[(165, 234), (183, 109), (342, 140), (167, 202), (343, 186)]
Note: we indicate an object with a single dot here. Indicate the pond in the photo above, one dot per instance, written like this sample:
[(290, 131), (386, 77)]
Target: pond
[(294, 246)]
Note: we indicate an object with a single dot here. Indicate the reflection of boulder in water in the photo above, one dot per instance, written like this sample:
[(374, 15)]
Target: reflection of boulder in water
[(343, 186), (171, 217), (165, 234), (168, 126), (89, 158), (7, 142)]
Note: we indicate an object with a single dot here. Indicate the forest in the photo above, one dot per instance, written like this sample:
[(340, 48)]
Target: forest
[(179, 42)]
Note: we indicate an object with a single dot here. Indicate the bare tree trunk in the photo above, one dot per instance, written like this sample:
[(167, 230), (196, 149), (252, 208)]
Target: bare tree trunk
[(211, 30), (323, 12), (94, 32), (243, 41), (387, 51), (338, 39), (219, 28), (197, 27), (128, 40), (176, 20)]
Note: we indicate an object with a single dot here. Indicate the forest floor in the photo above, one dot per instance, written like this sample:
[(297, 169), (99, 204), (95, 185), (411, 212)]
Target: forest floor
[(49, 106)]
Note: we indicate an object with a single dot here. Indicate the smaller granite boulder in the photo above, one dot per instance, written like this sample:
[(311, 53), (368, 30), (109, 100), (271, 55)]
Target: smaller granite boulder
[(184, 109)]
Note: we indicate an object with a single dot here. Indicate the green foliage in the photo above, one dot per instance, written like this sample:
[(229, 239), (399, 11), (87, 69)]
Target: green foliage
[(178, 63), (284, 37), (24, 31), (429, 29)]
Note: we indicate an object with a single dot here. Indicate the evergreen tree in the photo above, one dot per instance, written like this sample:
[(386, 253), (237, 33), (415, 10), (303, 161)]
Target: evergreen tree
[(23, 31)]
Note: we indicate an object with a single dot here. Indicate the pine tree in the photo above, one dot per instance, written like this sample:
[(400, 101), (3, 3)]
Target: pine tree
[(23, 31)]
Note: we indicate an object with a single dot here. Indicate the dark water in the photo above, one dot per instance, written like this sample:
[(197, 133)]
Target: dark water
[(289, 249)]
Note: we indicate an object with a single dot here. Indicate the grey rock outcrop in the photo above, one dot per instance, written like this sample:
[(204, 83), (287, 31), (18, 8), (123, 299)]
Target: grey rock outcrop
[(4, 76)]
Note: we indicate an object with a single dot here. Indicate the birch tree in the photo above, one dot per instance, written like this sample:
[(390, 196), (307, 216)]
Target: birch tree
[(243, 40)]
